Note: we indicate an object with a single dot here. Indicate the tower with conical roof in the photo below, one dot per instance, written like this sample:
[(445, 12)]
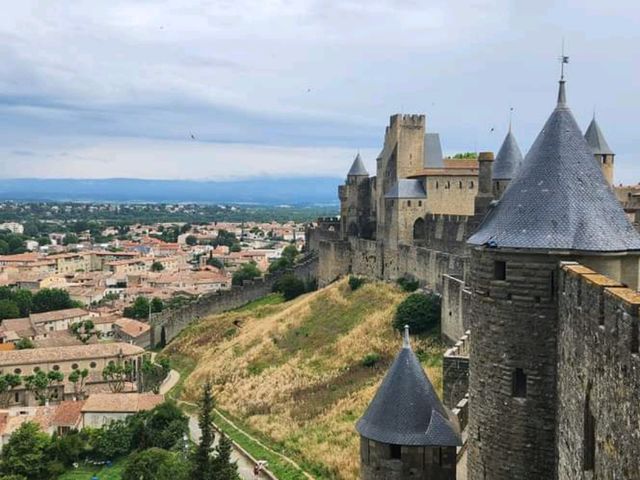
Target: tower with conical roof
[(558, 207), (355, 201), (406, 433), (506, 164), (601, 151)]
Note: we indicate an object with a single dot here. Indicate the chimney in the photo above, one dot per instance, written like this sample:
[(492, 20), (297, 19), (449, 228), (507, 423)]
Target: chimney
[(485, 187)]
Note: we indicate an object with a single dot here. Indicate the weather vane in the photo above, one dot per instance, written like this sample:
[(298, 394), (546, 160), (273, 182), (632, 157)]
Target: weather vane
[(563, 59)]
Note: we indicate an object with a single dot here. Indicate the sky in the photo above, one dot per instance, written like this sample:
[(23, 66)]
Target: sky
[(229, 89)]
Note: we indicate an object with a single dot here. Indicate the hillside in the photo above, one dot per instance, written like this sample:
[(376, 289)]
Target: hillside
[(294, 373)]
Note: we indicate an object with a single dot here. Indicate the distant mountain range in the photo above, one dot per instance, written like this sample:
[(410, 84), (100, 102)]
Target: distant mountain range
[(270, 191)]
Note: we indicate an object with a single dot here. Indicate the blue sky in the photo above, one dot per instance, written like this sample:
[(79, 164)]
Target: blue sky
[(95, 89)]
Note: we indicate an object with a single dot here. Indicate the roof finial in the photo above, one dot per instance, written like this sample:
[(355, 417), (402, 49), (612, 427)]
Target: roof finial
[(405, 338), (562, 96), (510, 118), (594, 112)]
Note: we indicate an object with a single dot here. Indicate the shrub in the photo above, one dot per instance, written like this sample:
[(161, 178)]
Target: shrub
[(408, 284), (355, 282), (420, 312), (289, 286), (370, 359)]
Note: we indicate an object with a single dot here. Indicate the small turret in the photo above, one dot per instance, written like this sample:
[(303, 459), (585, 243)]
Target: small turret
[(601, 151), (406, 433), (506, 164), (357, 168)]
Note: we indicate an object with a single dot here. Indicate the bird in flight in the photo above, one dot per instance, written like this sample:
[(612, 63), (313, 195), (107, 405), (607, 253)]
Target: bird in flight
[(193, 137)]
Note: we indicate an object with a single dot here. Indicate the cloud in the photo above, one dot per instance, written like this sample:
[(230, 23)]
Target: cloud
[(322, 75)]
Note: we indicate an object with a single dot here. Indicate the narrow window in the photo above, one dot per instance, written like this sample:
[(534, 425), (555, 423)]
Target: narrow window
[(419, 203), (579, 294), (408, 203), (16, 397), (500, 270), (395, 451), (448, 185), (519, 387), (552, 284), (471, 184), (635, 340), (460, 184), (437, 184), (589, 446)]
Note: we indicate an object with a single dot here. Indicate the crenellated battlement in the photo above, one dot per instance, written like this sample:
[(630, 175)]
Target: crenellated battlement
[(407, 120)]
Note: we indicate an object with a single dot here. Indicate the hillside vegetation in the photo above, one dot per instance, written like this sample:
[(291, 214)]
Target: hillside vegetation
[(301, 373)]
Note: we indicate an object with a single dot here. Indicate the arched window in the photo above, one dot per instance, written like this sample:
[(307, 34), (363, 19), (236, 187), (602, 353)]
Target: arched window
[(419, 232), (460, 184), (471, 184)]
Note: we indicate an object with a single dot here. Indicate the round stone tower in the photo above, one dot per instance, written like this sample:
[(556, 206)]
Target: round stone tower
[(558, 207), (406, 433)]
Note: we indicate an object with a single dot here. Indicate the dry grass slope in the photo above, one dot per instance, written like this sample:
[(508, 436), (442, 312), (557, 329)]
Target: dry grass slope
[(293, 371)]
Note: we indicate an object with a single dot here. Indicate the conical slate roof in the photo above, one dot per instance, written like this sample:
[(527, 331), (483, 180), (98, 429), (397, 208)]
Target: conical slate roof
[(595, 139), (432, 151), (406, 409), (559, 198), (508, 159), (357, 168)]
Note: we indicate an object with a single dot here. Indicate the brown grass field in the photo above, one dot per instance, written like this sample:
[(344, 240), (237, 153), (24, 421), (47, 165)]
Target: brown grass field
[(294, 373)]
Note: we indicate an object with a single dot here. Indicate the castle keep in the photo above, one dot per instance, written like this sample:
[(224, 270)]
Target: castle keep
[(538, 267)]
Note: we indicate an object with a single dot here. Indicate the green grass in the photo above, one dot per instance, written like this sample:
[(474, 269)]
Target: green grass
[(260, 307), (86, 472)]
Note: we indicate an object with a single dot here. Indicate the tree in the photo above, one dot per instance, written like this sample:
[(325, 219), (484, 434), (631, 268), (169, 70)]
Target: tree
[(23, 298), (111, 441), (185, 228), (68, 448), (420, 312), (202, 465), (163, 427), (290, 252), (84, 330), (25, 453), (42, 384), (78, 378), (24, 344), (8, 309), (50, 299), (153, 374), (248, 271), (8, 382), (236, 247), (157, 305), (70, 239), (116, 375), (289, 286), (191, 240), (157, 266), (156, 464), (139, 309), (223, 467), (215, 262)]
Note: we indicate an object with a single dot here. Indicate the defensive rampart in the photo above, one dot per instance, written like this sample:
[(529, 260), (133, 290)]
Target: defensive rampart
[(598, 377), (168, 324)]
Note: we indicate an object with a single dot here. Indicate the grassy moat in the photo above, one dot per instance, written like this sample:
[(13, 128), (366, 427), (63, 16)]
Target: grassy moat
[(298, 375)]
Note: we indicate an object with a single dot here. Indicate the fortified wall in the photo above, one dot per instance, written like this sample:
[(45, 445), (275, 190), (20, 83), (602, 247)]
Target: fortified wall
[(438, 260), (168, 324), (598, 377)]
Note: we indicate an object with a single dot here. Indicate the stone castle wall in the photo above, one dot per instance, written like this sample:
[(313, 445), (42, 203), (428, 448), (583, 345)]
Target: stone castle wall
[(174, 321), (598, 376), (455, 372)]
